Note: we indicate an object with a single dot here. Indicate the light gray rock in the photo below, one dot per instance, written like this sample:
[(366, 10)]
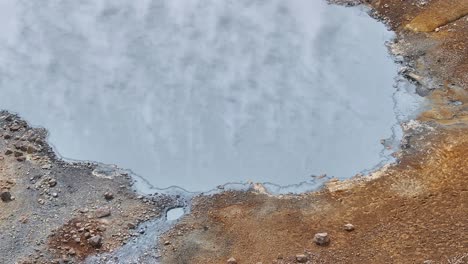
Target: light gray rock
[(322, 239)]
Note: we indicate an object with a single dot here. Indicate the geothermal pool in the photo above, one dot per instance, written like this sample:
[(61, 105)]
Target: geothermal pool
[(198, 93)]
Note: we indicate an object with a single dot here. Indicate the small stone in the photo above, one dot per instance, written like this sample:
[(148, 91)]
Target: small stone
[(71, 252), (102, 212), (7, 136), (55, 195), (15, 127), (18, 154), (31, 149), (322, 239), (108, 196), (301, 258), (8, 152), (52, 182), (77, 240), (40, 201), (5, 196), (95, 241), (21, 159), (232, 261), (83, 210), (167, 243), (349, 227), (101, 228), (131, 225)]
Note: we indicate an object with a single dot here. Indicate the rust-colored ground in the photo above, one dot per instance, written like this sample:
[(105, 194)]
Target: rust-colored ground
[(414, 211)]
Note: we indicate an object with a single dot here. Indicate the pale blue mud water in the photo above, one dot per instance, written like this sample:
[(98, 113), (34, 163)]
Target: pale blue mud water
[(199, 93)]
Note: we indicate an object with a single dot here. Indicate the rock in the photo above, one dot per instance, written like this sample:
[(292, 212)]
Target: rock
[(71, 252), (18, 154), (83, 210), (301, 258), (322, 239), (32, 149), (102, 212), (109, 196), (349, 227), (232, 261), (52, 182), (21, 146), (7, 136), (95, 241), (40, 201), (15, 127), (8, 152), (131, 225), (5, 195), (55, 195), (20, 159)]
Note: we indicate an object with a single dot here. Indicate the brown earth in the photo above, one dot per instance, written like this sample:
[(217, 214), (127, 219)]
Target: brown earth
[(413, 211)]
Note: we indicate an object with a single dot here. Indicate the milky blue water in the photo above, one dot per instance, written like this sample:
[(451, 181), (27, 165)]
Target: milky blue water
[(198, 93)]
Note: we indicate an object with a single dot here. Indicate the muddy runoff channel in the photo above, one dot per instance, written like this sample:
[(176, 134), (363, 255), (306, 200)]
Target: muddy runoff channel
[(206, 96)]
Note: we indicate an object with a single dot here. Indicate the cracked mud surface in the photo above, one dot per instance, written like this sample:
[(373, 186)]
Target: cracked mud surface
[(409, 212)]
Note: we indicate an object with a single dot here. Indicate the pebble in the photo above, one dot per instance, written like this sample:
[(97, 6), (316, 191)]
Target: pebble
[(301, 258), (102, 212), (349, 227), (8, 152), (321, 239), (52, 182), (5, 196), (232, 261), (95, 241), (109, 196)]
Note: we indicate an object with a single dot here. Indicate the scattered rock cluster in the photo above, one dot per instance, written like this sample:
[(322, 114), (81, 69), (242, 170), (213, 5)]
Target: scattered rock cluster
[(79, 237)]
